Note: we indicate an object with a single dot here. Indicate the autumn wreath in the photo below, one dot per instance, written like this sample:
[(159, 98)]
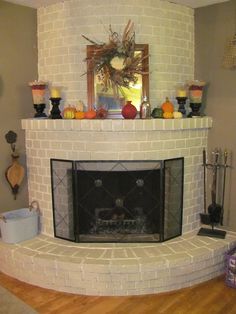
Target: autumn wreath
[(117, 63)]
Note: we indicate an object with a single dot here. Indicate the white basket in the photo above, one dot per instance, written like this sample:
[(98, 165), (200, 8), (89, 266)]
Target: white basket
[(19, 225)]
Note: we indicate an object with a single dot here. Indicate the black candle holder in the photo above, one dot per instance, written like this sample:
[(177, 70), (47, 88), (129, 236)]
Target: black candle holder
[(55, 113), (181, 102), (195, 110), (39, 108)]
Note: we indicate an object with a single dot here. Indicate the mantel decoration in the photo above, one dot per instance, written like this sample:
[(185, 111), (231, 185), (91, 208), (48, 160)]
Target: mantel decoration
[(115, 62), (15, 172), (229, 57), (55, 98), (181, 97), (38, 92), (195, 97)]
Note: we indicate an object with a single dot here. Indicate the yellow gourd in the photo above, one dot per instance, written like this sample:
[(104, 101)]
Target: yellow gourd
[(69, 112)]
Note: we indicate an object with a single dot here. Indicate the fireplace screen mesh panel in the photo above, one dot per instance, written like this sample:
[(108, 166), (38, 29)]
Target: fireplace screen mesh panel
[(63, 205), (173, 199), (117, 201)]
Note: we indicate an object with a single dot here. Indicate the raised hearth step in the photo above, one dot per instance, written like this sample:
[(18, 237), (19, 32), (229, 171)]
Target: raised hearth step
[(116, 269)]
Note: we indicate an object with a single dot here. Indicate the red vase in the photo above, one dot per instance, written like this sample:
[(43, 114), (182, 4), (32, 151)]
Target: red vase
[(129, 111)]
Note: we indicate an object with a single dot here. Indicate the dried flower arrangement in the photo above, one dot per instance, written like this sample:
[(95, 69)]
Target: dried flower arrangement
[(116, 63)]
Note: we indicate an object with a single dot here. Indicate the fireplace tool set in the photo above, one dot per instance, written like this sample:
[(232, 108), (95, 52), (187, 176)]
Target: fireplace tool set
[(213, 215)]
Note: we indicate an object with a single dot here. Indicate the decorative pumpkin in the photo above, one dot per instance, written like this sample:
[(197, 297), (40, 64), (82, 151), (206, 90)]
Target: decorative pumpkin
[(157, 113), (79, 115), (167, 106), (129, 111), (91, 114), (168, 115), (69, 112), (177, 115)]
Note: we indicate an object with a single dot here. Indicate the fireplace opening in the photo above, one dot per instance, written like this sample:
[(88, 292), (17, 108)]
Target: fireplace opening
[(117, 201)]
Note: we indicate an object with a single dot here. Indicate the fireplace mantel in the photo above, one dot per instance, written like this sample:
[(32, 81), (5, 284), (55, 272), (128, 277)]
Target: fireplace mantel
[(120, 125)]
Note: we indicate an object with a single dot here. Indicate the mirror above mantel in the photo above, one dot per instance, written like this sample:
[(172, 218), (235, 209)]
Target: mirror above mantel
[(97, 96)]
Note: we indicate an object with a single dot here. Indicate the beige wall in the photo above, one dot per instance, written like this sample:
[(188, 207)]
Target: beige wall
[(18, 65), (215, 25)]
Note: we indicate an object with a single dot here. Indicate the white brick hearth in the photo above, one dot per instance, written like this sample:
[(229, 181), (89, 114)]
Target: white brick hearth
[(116, 269)]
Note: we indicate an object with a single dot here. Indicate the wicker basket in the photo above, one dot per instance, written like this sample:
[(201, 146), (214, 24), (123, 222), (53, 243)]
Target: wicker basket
[(230, 276)]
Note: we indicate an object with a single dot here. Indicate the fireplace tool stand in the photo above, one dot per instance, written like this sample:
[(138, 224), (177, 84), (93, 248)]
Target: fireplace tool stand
[(214, 214)]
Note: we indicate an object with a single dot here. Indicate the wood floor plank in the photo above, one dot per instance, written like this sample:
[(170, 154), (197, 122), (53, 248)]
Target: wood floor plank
[(212, 297)]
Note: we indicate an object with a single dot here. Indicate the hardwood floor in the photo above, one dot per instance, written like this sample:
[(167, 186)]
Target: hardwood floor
[(208, 298)]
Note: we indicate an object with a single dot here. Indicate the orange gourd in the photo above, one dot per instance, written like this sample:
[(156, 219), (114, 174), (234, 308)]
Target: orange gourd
[(167, 106), (91, 114), (79, 115)]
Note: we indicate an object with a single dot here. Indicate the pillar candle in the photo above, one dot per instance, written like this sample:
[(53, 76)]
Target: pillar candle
[(55, 92), (181, 93)]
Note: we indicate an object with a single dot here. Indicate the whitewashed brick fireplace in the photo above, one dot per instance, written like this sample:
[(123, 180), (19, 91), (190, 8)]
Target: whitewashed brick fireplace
[(101, 140), (115, 268), (168, 29)]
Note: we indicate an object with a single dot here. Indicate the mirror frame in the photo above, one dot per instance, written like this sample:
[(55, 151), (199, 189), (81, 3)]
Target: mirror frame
[(90, 74)]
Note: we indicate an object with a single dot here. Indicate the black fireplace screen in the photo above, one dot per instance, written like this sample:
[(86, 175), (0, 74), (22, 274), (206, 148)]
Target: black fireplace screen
[(117, 201)]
